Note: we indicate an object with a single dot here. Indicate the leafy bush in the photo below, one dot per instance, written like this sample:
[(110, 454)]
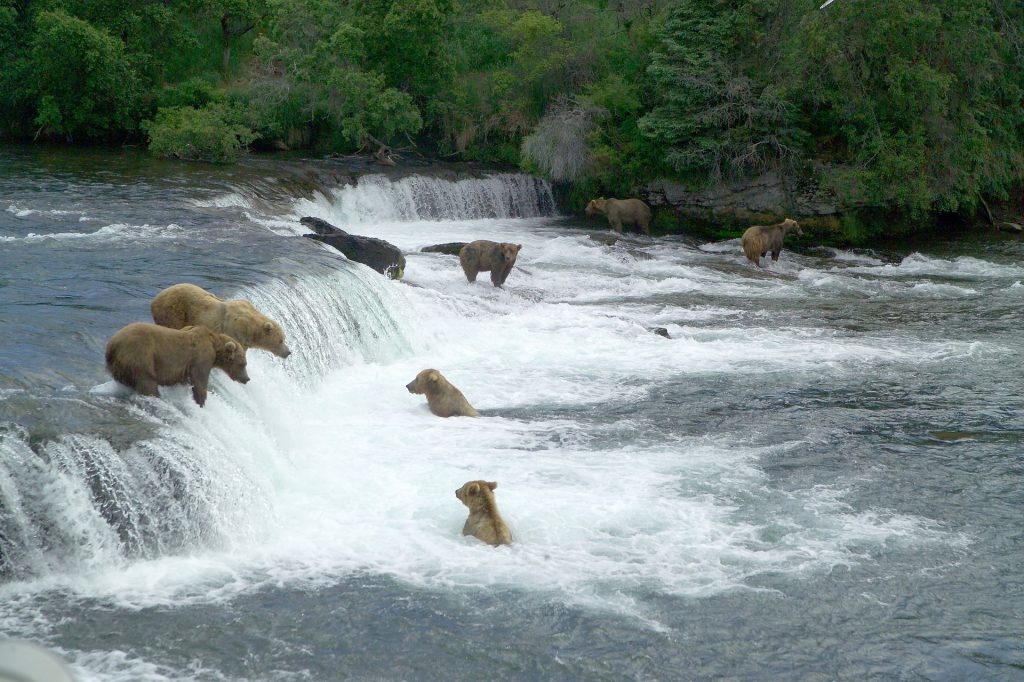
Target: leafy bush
[(82, 83), (207, 134)]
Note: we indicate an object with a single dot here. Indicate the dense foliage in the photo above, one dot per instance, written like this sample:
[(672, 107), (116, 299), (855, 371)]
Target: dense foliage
[(909, 106)]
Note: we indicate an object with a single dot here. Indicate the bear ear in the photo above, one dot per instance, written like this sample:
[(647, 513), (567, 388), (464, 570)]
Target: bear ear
[(230, 346), (492, 484), (473, 489), (433, 376), (518, 246), (267, 327)]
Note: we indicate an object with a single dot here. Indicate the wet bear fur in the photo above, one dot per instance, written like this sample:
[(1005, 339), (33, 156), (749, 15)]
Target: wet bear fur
[(622, 212), (182, 305), (443, 399), (761, 239), (484, 255), (484, 522), (144, 356)]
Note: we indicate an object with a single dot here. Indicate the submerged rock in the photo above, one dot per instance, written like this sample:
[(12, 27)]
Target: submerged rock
[(382, 256)]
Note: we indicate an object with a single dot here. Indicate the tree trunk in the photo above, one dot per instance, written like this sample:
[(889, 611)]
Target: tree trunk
[(226, 36)]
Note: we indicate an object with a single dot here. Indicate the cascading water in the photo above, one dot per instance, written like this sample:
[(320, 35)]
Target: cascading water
[(799, 457), (379, 199)]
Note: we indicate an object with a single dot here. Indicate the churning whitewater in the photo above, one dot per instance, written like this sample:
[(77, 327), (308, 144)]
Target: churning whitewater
[(641, 476)]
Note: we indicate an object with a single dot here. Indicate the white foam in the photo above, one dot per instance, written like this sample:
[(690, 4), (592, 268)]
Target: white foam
[(962, 267), (229, 200), (112, 232)]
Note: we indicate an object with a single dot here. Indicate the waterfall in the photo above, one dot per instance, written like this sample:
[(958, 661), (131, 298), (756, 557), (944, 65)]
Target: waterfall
[(377, 198), (199, 477)]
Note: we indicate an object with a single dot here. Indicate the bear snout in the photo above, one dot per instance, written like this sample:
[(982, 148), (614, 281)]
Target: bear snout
[(283, 351), (411, 386)]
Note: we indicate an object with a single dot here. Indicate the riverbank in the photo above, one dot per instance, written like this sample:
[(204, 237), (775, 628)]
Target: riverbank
[(714, 214)]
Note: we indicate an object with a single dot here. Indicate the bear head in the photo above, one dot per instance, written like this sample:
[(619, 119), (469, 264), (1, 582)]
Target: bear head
[(423, 381), (476, 494), (231, 358), (597, 206), (271, 337), (790, 226), (509, 252)]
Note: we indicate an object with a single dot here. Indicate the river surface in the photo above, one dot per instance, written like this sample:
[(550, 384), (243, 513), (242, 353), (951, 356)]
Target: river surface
[(818, 476)]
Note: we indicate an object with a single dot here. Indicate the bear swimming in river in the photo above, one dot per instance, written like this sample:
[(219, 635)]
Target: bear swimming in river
[(484, 522), (443, 399)]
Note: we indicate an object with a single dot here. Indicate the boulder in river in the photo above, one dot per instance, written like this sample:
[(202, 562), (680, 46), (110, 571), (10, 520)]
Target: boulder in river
[(382, 256), (451, 248)]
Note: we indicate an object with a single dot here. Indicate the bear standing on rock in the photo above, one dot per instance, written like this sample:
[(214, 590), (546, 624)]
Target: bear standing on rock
[(144, 356), (443, 399), (186, 304), (484, 522), (484, 255), (760, 239), (622, 212)]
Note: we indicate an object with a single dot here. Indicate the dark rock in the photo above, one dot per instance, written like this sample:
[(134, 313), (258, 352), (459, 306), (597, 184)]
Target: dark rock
[(606, 239), (382, 256), (451, 248), (661, 331)]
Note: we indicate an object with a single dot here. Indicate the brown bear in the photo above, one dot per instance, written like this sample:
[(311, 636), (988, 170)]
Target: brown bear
[(622, 212), (483, 255), (484, 522), (760, 239), (144, 356), (186, 304), (443, 399)]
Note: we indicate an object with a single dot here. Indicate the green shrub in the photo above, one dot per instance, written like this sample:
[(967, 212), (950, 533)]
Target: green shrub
[(208, 134), (82, 83)]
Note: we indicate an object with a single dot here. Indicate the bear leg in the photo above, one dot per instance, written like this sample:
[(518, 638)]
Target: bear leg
[(146, 385), (199, 394), (616, 225), (498, 276), (471, 273), (775, 255)]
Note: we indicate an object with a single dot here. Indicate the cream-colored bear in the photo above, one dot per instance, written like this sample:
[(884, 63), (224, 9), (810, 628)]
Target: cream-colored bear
[(484, 522), (443, 399), (186, 304)]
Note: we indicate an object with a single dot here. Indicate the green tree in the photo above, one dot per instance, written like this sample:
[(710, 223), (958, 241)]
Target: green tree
[(721, 112), (920, 105), (82, 83), (315, 74)]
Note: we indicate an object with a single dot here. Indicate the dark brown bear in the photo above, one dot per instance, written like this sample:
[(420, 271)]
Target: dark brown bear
[(484, 255), (144, 356)]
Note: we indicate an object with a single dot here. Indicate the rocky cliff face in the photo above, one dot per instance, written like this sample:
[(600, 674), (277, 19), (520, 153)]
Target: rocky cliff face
[(768, 198)]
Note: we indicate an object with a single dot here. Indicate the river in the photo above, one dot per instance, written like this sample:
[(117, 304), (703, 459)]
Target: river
[(816, 477)]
